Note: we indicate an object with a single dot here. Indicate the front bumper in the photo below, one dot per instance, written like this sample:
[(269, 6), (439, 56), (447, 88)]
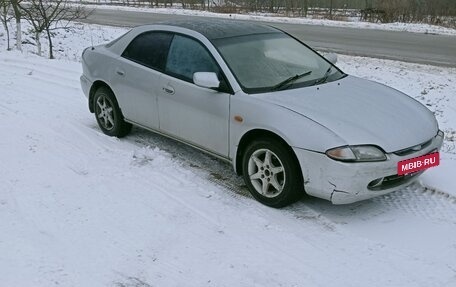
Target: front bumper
[(348, 182)]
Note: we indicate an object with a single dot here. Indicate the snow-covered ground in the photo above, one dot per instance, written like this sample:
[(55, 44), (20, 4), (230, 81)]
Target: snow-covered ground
[(79, 208), (409, 27)]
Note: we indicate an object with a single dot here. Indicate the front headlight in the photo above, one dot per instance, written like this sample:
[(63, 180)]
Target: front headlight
[(357, 153)]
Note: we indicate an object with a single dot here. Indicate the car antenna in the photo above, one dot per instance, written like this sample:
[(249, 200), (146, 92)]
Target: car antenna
[(91, 37)]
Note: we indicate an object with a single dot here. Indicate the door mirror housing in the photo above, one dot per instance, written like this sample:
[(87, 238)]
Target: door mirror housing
[(206, 80), (331, 57)]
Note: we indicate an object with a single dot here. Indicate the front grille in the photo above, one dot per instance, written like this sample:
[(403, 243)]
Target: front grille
[(391, 181), (413, 149)]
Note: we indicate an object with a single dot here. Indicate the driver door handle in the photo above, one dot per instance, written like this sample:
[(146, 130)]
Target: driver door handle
[(120, 72), (169, 90)]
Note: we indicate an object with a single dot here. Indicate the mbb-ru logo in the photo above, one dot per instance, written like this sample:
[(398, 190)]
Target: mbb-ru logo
[(418, 163)]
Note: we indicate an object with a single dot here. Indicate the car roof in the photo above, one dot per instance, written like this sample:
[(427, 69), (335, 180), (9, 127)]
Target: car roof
[(213, 28)]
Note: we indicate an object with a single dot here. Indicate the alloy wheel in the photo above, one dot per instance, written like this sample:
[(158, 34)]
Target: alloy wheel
[(104, 111), (266, 173)]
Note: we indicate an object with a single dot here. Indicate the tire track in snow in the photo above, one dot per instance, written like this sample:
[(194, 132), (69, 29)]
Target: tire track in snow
[(222, 174), (422, 201), (232, 188), (412, 200), (235, 238), (437, 192), (302, 211), (215, 170)]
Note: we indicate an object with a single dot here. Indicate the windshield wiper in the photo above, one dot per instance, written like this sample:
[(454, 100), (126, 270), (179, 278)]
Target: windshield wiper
[(280, 85), (325, 76)]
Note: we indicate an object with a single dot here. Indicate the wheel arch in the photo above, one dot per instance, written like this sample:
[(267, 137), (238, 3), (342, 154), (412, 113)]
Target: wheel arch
[(256, 134), (95, 86)]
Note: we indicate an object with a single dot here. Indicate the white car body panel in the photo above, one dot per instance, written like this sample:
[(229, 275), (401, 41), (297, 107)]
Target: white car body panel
[(191, 111), (362, 112), (135, 93)]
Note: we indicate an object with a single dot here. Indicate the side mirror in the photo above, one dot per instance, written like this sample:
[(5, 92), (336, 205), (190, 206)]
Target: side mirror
[(331, 57), (206, 80)]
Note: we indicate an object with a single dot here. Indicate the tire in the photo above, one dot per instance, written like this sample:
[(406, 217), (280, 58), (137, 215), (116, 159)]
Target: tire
[(108, 114), (272, 173)]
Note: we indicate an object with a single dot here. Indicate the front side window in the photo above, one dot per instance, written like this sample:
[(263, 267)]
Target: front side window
[(186, 57), (267, 62), (149, 49)]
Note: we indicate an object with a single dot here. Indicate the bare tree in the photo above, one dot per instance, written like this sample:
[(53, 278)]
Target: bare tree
[(304, 7), (5, 7), (46, 16), (331, 9), (32, 16), (17, 16)]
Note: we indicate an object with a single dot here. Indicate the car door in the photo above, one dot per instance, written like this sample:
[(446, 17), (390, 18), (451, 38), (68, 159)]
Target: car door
[(137, 75), (194, 114)]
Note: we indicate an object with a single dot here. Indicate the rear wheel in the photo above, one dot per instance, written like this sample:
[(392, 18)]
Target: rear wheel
[(272, 173), (108, 114)]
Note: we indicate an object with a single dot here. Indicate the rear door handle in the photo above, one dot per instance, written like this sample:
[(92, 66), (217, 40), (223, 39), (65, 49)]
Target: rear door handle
[(120, 72), (169, 90)]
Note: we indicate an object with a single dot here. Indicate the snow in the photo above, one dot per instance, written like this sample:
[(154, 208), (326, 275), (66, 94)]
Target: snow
[(79, 208), (441, 178), (409, 27)]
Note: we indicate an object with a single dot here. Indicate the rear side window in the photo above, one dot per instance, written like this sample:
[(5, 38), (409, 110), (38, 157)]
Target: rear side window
[(187, 56), (149, 49)]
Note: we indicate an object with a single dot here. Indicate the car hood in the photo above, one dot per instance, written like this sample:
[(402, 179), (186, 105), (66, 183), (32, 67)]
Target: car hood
[(362, 112)]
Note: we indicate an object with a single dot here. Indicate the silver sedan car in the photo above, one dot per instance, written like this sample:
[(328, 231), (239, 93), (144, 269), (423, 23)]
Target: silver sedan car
[(288, 120)]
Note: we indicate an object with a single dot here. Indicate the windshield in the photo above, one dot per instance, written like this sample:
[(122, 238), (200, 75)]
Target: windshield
[(274, 61)]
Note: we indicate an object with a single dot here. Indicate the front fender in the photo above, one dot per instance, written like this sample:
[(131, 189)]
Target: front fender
[(295, 129)]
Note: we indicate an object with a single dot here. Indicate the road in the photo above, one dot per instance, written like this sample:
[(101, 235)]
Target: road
[(404, 46)]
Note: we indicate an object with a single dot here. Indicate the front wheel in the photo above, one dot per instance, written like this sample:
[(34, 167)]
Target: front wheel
[(272, 173), (108, 114)]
